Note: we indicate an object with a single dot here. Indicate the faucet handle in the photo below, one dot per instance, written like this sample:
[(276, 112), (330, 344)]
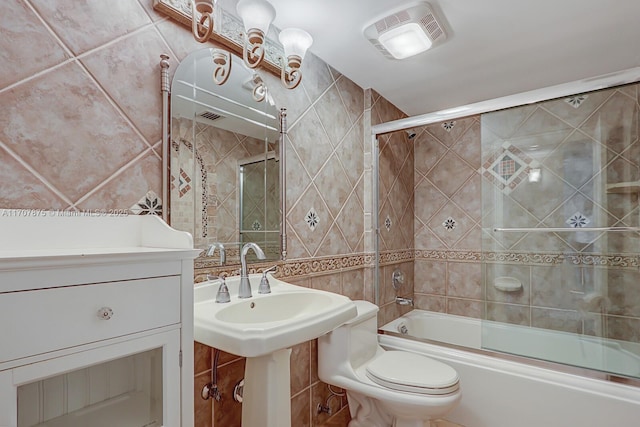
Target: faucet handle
[(264, 287), (223, 292)]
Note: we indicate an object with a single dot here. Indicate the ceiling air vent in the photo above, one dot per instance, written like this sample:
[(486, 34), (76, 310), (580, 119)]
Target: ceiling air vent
[(406, 33), (209, 115)]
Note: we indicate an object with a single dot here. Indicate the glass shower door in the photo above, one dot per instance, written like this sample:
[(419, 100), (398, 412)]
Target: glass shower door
[(560, 230)]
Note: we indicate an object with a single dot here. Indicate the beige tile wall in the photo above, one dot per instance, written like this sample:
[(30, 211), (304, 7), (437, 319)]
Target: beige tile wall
[(72, 136), (447, 187)]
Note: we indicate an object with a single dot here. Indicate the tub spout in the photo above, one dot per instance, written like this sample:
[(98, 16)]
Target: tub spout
[(404, 301)]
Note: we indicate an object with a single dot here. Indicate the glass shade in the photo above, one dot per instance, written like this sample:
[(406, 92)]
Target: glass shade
[(405, 41), (295, 41), (256, 14)]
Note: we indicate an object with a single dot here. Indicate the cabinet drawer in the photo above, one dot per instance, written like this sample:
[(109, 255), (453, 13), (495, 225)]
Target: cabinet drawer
[(35, 322)]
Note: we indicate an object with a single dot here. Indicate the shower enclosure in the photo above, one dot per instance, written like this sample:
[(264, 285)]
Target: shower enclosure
[(560, 217), (525, 214)]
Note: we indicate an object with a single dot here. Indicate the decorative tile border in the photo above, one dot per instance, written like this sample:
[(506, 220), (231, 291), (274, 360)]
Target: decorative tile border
[(328, 265), (436, 255), (390, 257), (524, 258), (304, 267), (287, 269), (605, 260)]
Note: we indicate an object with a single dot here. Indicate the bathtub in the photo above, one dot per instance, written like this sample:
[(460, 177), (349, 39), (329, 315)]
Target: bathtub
[(507, 391)]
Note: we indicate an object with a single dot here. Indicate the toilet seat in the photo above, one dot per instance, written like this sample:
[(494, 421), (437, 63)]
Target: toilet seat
[(414, 373)]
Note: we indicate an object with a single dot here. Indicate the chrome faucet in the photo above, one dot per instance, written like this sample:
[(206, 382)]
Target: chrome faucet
[(223, 291), (245, 286), (212, 249), (404, 301)]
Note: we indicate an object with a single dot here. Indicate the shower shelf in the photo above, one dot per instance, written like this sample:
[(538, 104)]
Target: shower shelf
[(624, 187), (565, 229), (507, 284)]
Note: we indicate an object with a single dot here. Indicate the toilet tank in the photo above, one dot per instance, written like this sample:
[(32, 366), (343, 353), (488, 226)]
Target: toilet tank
[(363, 334)]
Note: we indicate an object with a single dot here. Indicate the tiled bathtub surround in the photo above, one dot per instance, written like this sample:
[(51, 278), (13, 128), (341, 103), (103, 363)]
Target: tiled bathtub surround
[(583, 148)]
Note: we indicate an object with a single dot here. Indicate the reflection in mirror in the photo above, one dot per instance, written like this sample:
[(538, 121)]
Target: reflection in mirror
[(225, 151)]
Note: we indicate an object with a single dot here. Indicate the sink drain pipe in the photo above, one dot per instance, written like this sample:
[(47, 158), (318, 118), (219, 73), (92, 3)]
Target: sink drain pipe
[(210, 390)]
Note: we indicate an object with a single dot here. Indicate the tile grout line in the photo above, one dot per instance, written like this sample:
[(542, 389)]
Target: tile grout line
[(114, 175), (35, 173)]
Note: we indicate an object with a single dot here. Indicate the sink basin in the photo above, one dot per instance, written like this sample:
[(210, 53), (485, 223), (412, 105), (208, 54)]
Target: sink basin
[(277, 308), (265, 323)]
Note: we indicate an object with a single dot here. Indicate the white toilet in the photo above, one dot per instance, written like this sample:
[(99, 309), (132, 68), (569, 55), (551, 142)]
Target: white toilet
[(384, 388)]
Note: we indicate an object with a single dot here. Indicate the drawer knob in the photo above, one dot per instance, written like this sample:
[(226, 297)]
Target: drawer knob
[(105, 313)]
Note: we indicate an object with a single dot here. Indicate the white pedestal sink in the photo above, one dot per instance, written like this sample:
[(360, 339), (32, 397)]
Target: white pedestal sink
[(263, 329)]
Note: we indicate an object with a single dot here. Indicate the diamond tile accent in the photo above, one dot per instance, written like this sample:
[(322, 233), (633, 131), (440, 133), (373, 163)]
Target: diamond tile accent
[(256, 226), (150, 204), (312, 219), (387, 223), (577, 220), (448, 125), (507, 168), (449, 224), (576, 101), (184, 183)]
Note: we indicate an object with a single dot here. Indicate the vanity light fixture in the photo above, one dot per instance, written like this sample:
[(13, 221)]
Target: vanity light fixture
[(202, 27), (256, 86), (222, 66), (295, 42), (257, 16)]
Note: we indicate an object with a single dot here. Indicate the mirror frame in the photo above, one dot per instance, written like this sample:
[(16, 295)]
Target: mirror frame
[(202, 261)]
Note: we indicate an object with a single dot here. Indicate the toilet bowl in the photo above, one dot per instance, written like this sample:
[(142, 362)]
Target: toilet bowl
[(384, 388)]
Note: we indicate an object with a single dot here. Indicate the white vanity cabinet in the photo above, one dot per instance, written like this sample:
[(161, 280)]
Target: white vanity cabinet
[(96, 321)]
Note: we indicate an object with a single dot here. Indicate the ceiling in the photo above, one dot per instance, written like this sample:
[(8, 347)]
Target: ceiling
[(493, 48)]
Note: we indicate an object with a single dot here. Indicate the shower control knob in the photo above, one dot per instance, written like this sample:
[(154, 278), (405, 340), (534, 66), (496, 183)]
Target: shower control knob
[(105, 313)]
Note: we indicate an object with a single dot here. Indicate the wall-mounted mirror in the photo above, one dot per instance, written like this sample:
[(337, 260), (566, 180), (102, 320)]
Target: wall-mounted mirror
[(225, 156)]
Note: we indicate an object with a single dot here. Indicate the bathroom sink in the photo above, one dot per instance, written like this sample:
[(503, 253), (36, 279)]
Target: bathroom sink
[(276, 308), (266, 323)]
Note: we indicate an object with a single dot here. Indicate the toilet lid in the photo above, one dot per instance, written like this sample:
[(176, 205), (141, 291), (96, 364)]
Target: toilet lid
[(404, 371)]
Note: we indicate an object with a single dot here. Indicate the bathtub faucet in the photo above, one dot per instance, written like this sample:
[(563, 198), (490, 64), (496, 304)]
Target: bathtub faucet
[(404, 301)]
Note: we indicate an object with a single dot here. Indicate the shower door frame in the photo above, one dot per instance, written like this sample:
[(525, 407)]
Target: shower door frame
[(568, 89)]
